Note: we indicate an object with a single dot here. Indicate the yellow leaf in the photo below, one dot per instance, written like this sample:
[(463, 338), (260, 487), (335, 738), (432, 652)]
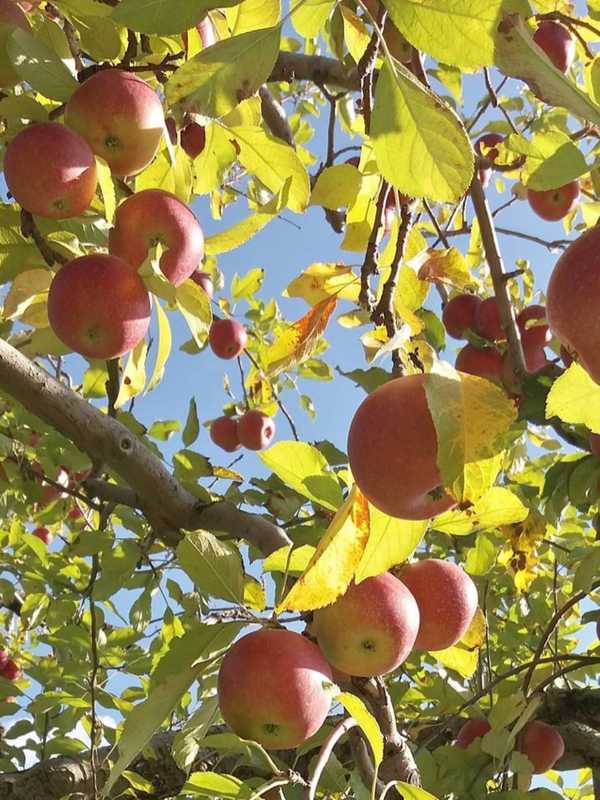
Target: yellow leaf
[(575, 398), (459, 659), (292, 560), (367, 723), (300, 339), (391, 541), (254, 594), (252, 14), (163, 348), (415, 244), (356, 34), (27, 288), (336, 187), (134, 377), (107, 188), (409, 296), (445, 266), (475, 634), (321, 281), (498, 506), (332, 567), (194, 304), (520, 553)]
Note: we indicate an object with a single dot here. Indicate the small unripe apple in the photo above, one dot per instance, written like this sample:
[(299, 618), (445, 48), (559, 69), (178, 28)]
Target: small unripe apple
[(554, 204), (203, 280), (486, 146), (273, 688), (533, 320), (44, 535), (471, 730), (542, 744), (458, 315), (193, 139), (224, 431), (487, 320), (558, 44), (485, 362), (11, 671), (447, 601), (227, 338), (256, 430), (371, 629)]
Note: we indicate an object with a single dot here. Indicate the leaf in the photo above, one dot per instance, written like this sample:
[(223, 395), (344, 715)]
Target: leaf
[(458, 32), (552, 159), (475, 634), (192, 425), (253, 14), (332, 567), (481, 558), (459, 659), (164, 17), (245, 288), (310, 16), (164, 429), (391, 541), (321, 281), (367, 722), (163, 349), (245, 229), (299, 341), (356, 33), (289, 559), (215, 568), (336, 187), (134, 377), (408, 118), (498, 506), (409, 792), (107, 188), (305, 470), (186, 742), (39, 66), (26, 289), (216, 80), (445, 266), (575, 398), (216, 784), (587, 571), (194, 304)]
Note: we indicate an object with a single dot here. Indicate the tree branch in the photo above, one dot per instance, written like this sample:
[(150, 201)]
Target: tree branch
[(275, 117), (318, 69)]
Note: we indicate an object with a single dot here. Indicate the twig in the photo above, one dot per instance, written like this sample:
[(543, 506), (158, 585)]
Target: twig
[(243, 382), (556, 244), (31, 231), (366, 65), (93, 677), (439, 230), (289, 418), (508, 203), (491, 91), (326, 750), (370, 264), (564, 671), (131, 51)]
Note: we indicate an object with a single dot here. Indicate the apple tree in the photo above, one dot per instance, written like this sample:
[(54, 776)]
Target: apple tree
[(406, 612)]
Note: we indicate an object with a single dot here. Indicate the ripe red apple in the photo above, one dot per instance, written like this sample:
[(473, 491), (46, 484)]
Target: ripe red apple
[(486, 362), (458, 315), (486, 146), (447, 601), (121, 118), (12, 17), (44, 535), (98, 306), (227, 338), (487, 320), (207, 31), (542, 744), (51, 171), (392, 449), (224, 433), (203, 280), (533, 320), (273, 688), (558, 44), (472, 729), (371, 629), (256, 430), (554, 204), (354, 161), (193, 139), (389, 211), (11, 671), (153, 217), (75, 514), (573, 299)]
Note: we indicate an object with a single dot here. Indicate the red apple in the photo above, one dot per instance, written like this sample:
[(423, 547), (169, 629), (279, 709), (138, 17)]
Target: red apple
[(486, 146), (203, 280), (3, 659), (224, 433), (542, 744), (75, 514), (153, 217), (567, 357), (207, 31), (193, 139), (594, 440), (12, 17), (98, 306), (256, 430), (573, 300), (392, 449), (447, 601), (458, 315), (272, 688), (227, 338), (354, 161), (472, 729), (121, 118), (533, 320), (11, 671), (558, 44), (554, 204), (44, 535), (486, 362), (487, 320), (371, 629), (60, 184)]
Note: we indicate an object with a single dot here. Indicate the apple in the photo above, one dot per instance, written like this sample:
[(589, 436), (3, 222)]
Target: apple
[(207, 31), (98, 306), (487, 320), (227, 338), (558, 44), (542, 744), (458, 315), (594, 441), (554, 204), (256, 430), (472, 729), (573, 299), (12, 17), (121, 118), (392, 450), (371, 629), (3, 659), (389, 211), (224, 433), (447, 601), (193, 139), (152, 217), (533, 320), (272, 688), (44, 535), (203, 280), (11, 671), (487, 147), (567, 357), (354, 161), (486, 362), (75, 514), (50, 171)]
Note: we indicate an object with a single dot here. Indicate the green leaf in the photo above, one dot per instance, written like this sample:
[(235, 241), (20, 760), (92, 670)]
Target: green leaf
[(116, 566), (367, 722), (409, 792), (217, 79), (215, 784), (304, 469), (200, 643), (134, 377), (575, 398), (107, 188), (391, 541), (215, 568), (164, 429), (163, 349), (245, 229), (245, 288), (587, 571), (498, 506), (409, 119), (481, 558), (336, 187), (187, 741), (192, 425), (289, 559), (40, 67), (194, 304), (552, 159), (165, 16), (310, 16), (138, 783)]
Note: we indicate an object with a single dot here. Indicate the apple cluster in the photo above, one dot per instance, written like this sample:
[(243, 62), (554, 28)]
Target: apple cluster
[(370, 630), (253, 430)]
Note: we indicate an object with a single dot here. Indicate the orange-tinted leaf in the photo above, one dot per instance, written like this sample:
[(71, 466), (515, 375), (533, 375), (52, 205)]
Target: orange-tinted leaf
[(300, 339)]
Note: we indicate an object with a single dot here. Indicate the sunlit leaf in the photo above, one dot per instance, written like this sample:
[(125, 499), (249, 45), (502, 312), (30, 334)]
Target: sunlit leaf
[(300, 339), (575, 398)]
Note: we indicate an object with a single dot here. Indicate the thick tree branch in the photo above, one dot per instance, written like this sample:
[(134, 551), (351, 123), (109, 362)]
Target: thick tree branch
[(318, 69), (275, 117)]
